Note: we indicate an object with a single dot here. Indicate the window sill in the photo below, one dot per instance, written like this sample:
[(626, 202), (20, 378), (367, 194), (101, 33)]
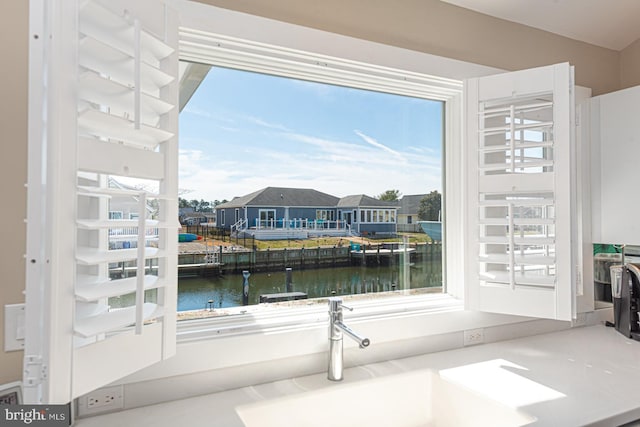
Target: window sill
[(313, 316), (236, 351)]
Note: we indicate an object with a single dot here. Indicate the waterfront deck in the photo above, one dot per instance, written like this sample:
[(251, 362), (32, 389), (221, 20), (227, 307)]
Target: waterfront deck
[(379, 254), (184, 270), (200, 260), (382, 252), (292, 229), (294, 233)]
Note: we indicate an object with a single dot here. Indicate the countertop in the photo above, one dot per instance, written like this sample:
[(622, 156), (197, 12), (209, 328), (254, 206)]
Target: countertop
[(583, 376)]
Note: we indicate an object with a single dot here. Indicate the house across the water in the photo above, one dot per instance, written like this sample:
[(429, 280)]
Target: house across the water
[(408, 214), (299, 213)]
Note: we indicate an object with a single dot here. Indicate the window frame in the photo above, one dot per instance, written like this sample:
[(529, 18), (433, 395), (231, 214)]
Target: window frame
[(276, 40), (270, 215)]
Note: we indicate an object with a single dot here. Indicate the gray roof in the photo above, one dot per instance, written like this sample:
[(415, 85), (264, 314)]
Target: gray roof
[(360, 200), (410, 205), (280, 196)]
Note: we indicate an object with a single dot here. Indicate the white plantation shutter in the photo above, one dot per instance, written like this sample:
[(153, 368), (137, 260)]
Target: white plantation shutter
[(101, 292), (519, 137)]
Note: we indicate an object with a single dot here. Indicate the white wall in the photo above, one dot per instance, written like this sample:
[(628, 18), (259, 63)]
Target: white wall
[(13, 168)]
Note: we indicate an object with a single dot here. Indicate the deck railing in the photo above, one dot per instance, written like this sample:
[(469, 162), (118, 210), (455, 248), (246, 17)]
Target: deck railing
[(300, 224), (130, 232), (239, 226)]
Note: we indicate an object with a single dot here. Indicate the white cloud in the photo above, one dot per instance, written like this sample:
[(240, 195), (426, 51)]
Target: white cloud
[(369, 140), (207, 114), (332, 166), (260, 122)]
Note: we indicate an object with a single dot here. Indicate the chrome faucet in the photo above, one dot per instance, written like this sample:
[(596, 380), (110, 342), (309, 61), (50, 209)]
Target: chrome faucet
[(336, 329)]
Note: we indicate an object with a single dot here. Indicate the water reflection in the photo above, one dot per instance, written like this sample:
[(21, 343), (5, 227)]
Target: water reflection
[(226, 291)]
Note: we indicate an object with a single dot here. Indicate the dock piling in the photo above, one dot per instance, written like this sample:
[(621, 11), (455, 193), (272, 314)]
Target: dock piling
[(245, 287), (288, 286)]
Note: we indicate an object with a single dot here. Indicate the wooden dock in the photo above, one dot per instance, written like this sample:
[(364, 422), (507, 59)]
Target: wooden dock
[(283, 296), (184, 270), (382, 252)]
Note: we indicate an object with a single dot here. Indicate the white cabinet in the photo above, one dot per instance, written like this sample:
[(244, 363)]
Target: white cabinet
[(615, 167)]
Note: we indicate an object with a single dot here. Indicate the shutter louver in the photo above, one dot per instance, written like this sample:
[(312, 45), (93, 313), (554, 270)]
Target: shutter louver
[(520, 208), (111, 195), (126, 267), (517, 241)]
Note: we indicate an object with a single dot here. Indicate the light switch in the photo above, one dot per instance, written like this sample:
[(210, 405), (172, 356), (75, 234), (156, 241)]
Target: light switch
[(13, 327)]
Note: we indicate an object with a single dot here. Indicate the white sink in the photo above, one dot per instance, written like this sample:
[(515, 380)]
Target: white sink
[(415, 399)]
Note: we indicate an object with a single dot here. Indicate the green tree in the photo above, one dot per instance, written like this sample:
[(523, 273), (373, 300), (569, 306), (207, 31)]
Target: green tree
[(390, 196), (183, 203), (204, 206), (430, 207)]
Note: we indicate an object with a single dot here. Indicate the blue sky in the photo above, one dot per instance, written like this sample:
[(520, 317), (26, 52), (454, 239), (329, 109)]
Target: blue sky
[(242, 131)]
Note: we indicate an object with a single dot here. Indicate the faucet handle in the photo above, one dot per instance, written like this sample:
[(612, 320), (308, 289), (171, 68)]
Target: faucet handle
[(335, 304)]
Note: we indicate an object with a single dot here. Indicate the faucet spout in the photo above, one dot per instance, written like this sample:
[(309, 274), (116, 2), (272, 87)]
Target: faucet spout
[(362, 341), (337, 329)]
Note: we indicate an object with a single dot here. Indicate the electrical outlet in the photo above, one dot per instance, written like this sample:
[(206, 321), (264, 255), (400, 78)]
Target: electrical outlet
[(13, 327), (102, 400), (473, 337)]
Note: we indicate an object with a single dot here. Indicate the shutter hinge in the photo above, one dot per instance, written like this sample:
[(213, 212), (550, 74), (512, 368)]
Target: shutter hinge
[(35, 371)]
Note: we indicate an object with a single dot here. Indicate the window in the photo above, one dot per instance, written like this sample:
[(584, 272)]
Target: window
[(115, 215), (267, 218), (311, 143), (325, 215)]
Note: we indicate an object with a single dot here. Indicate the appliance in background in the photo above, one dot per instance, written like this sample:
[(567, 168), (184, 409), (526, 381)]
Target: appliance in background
[(602, 264), (605, 256), (625, 289)]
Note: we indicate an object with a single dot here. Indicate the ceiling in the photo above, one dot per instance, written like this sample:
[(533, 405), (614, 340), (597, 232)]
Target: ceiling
[(608, 23)]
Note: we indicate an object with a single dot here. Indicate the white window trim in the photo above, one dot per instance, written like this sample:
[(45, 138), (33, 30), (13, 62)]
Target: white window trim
[(241, 39), (198, 337), (267, 222)]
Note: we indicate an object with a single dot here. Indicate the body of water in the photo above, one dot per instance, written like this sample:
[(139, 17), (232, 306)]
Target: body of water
[(227, 290)]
